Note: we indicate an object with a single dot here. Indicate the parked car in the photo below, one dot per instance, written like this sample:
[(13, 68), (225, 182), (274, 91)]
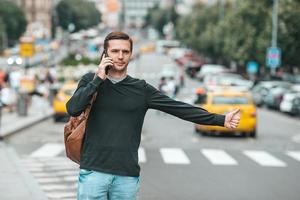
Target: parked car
[(227, 79), (163, 46), (207, 69), (261, 90), (296, 105), (61, 99), (289, 101), (191, 62), (223, 101), (275, 95), (176, 53)]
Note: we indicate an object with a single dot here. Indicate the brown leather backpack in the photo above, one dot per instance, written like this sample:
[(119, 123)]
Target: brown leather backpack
[(74, 132)]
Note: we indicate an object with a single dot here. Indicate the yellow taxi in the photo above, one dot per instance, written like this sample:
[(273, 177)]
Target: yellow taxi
[(221, 102), (147, 48), (61, 99)]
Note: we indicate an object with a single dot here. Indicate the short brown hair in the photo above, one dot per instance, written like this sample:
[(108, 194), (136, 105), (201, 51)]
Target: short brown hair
[(117, 35)]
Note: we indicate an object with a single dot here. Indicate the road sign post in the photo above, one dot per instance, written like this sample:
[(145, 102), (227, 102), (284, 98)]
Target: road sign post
[(26, 49), (252, 69), (273, 58)]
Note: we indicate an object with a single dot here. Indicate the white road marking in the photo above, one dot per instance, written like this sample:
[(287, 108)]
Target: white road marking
[(48, 150), (265, 159), (71, 178), (49, 180), (61, 195), (296, 138), (43, 175), (294, 154), (142, 155), (52, 187), (218, 157), (174, 156)]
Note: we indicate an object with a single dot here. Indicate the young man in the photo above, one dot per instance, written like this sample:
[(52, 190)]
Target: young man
[(109, 161)]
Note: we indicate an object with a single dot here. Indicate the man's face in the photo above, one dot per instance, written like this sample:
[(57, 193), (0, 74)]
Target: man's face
[(119, 52)]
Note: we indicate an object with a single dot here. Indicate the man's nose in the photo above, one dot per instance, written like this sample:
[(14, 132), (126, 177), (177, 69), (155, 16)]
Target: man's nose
[(120, 55)]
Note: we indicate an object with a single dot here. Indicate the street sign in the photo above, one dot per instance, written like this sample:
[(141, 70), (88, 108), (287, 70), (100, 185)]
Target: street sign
[(26, 49), (26, 46), (273, 57), (252, 67)]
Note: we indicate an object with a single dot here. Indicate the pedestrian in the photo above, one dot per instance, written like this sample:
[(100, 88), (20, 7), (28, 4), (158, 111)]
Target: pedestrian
[(109, 166), (7, 97), (162, 84)]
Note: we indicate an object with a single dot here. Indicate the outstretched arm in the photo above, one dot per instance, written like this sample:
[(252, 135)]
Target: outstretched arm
[(156, 100)]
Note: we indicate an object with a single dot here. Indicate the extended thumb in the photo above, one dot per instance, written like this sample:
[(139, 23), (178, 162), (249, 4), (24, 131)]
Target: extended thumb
[(237, 111)]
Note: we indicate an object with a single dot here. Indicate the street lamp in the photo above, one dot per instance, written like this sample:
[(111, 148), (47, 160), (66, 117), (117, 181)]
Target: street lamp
[(274, 29), (274, 23)]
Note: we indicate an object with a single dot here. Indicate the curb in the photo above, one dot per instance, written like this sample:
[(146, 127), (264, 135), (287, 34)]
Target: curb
[(26, 124)]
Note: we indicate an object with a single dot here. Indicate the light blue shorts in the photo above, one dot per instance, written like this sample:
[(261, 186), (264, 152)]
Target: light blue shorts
[(94, 185)]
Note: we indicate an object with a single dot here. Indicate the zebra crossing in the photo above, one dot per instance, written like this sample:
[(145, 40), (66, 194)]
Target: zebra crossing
[(179, 156), (57, 175)]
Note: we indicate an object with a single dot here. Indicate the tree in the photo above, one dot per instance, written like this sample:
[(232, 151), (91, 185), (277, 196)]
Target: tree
[(244, 33), (2, 36), (13, 19), (240, 35), (289, 33), (196, 29), (80, 13), (158, 18)]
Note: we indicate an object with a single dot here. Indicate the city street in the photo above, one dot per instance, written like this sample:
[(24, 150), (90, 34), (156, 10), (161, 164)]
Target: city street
[(176, 162)]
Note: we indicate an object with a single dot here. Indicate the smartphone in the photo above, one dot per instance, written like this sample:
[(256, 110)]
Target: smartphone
[(109, 66)]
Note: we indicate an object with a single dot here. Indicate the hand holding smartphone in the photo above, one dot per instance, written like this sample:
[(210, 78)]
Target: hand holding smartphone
[(109, 66), (105, 65)]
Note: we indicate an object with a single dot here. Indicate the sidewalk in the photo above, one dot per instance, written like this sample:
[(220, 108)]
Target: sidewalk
[(16, 183), (11, 123)]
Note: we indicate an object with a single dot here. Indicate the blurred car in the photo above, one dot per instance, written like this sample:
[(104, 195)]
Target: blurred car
[(207, 69), (296, 105), (275, 95), (61, 99), (176, 53), (289, 101), (191, 62), (147, 48), (261, 90), (227, 79), (163, 46), (17, 60), (222, 102)]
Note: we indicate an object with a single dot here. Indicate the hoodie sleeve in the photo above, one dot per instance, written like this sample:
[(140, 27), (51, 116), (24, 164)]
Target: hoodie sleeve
[(156, 100), (83, 94)]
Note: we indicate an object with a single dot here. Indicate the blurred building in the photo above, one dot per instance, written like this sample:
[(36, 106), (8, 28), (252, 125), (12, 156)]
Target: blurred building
[(38, 14), (109, 10), (133, 12)]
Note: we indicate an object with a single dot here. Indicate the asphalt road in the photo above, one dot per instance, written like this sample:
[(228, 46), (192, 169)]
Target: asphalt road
[(204, 167)]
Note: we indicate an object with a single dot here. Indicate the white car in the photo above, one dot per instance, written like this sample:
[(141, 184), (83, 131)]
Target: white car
[(208, 69), (286, 104), (176, 53), (227, 79)]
